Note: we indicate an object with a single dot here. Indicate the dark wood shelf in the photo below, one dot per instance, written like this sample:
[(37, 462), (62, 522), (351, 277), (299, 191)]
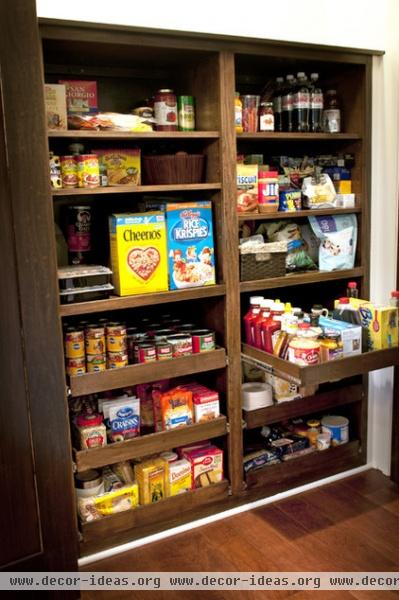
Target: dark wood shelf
[(132, 135), (303, 406), (137, 519), (295, 136), (136, 189), (298, 471), (149, 444), (329, 371), (90, 383), (276, 216), (122, 302), (300, 279)]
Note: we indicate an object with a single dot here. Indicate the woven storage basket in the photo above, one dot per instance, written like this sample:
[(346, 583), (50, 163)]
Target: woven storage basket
[(263, 261), (173, 168)]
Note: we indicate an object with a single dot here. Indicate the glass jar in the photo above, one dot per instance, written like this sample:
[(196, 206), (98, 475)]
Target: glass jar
[(332, 113), (165, 110), (331, 347), (266, 116)]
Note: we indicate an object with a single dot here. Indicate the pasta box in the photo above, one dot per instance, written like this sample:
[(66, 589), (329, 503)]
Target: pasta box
[(191, 250), (138, 253)]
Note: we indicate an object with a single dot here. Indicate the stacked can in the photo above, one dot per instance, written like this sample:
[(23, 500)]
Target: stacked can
[(116, 344), (95, 348), (75, 351)]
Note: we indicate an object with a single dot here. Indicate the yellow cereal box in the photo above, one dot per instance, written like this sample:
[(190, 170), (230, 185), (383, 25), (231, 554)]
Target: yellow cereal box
[(138, 253), (180, 479), (123, 166), (152, 476)]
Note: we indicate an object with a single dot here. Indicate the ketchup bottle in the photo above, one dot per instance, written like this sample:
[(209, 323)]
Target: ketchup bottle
[(254, 310), (272, 324), (264, 314)]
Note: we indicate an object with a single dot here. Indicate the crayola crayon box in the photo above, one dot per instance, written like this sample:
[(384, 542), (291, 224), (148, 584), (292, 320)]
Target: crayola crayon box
[(138, 253), (191, 251)]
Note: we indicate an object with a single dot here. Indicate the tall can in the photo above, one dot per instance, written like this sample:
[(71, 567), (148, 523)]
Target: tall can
[(88, 170), (79, 234), (69, 171), (186, 113)]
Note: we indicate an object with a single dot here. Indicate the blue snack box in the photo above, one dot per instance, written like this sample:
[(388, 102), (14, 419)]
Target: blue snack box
[(191, 250)]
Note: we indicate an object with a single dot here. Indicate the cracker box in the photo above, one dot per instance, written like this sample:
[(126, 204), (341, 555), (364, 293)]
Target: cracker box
[(179, 477), (138, 253), (123, 166), (191, 248), (153, 479), (81, 97), (176, 408), (56, 112), (206, 465), (247, 188)]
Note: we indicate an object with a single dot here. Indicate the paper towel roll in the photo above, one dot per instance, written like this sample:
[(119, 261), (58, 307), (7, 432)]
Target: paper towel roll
[(256, 395)]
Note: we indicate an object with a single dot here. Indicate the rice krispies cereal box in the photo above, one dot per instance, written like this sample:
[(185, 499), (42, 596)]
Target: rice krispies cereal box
[(138, 253), (191, 248)]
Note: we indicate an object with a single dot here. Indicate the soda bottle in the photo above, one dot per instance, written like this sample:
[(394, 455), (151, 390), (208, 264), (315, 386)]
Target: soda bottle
[(277, 104), (254, 310), (301, 104), (316, 104), (286, 103)]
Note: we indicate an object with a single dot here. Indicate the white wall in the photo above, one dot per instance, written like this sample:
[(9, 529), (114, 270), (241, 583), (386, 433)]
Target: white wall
[(347, 23)]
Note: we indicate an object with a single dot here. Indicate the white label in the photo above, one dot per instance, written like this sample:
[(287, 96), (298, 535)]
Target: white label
[(266, 122), (165, 114), (332, 120), (301, 100), (316, 101)]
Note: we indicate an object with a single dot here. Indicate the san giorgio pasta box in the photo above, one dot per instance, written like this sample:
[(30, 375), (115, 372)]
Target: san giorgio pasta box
[(191, 250), (138, 253)]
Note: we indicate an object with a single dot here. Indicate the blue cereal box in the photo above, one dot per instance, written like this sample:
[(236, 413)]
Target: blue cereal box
[(191, 249)]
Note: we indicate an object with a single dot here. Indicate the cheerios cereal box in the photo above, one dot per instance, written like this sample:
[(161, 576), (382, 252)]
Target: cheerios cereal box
[(138, 253), (191, 249)]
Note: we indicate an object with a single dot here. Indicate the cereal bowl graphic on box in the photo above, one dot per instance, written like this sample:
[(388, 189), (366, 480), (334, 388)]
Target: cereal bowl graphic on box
[(138, 253), (191, 252)]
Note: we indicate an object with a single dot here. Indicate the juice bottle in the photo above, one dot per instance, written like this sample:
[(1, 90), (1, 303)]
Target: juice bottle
[(265, 309), (271, 325), (254, 310)]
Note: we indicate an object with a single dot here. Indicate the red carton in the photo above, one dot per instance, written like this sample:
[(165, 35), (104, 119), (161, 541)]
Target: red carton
[(206, 466), (81, 97), (205, 402)]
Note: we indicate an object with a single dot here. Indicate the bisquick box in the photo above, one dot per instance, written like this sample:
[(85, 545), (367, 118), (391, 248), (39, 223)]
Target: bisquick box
[(351, 335)]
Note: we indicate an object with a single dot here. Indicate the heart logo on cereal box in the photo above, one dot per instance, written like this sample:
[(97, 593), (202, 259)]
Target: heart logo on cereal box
[(143, 262)]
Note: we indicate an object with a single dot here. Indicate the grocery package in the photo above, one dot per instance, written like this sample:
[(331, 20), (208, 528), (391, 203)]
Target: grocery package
[(81, 97), (121, 499), (176, 408), (138, 253), (247, 188), (318, 193), (152, 476), (298, 258), (56, 110), (123, 165), (180, 477), (205, 402), (206, 465), (122, 417), (191, 248), (338, 238)]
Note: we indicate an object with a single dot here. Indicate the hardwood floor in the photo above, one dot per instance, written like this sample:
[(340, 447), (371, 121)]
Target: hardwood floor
[(351, 525)]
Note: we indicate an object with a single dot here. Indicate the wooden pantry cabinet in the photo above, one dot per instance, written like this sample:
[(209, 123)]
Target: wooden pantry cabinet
[(129, 64)]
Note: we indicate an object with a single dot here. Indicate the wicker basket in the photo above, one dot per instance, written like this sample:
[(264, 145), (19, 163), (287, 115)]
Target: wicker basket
[(263, 261), (173, 168)]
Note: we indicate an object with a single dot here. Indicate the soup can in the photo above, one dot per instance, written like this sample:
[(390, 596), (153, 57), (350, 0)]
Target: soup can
[(203, 340), (116, 360), (74, 343), (181, 344), (69, 171), (94, 339), (88, 170), (164, 350), (145, 352), (75, 366), (95, 363), (338, 427), (116, 337)]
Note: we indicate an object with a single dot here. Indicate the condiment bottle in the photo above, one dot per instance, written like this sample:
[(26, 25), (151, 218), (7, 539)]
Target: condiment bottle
[(264, 314), (332, 113), (351, 290), (313, 431), (238, 112), (165, 110), (271, 325), (394, 300), (253, 312)]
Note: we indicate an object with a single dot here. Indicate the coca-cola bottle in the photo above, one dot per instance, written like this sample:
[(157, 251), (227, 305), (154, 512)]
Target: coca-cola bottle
[(316, 104), (277, 104), (286, 103), (301, 104)]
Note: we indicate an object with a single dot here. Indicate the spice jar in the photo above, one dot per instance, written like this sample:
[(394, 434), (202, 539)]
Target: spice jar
[(332, 113), (92, 431), (268, 197), (266, 116), (165, 110)]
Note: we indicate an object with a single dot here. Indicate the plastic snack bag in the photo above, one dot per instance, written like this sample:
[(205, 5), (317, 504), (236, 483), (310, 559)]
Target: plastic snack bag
[(318, 193), (338, 238), (298, 258)]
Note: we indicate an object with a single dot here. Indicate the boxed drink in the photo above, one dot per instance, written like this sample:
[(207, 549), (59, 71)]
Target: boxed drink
[(56, 112), (123, 166), (81, 97), (138, 253), (247, 188), (191, 248), (351, 335)]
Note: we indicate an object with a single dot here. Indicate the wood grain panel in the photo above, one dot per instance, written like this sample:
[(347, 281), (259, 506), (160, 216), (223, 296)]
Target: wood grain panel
[(129, 135), (298, 214), (136, 189), (299, 279)]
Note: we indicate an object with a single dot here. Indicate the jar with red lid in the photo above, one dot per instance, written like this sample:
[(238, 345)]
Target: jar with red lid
[(92, 431), (165, 110)]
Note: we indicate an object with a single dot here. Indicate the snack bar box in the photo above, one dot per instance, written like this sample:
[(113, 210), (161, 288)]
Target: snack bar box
[(138, 253), (191, 250)]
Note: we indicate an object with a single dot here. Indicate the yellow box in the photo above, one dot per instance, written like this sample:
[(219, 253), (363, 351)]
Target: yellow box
[(180, 478), (344, 186), (118, 500), (380, 321), (153, 478), (123, 166), (138, 253)]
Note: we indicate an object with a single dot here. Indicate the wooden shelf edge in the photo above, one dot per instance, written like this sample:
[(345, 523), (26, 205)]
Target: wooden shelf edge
[(299, 279), (122, 302), (303, 406), (135, 189), (90, 383), (158, 512), (297, 214), (149, 444), (329, 371), (132, 135), (276, 135), (299, 469)]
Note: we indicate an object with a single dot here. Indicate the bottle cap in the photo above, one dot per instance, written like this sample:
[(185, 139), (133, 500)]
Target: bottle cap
[(352, 285), (266, 303), (288, 307), (395, 294), (278, 307), (255, 300), (314, 75), (86, 420), (300, 74), (344, 300)]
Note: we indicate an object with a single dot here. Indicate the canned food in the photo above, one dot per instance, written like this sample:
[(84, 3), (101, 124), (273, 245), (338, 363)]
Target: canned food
[(69, 171), (75, 366), (88, 170), (94, 340), (116, 338), (115, 360), (203, 340), (164, 350), (187, 327), (133, 338), (74, 343), (55, 171), (162, 334), (337, 427), (145, 352), (181, 344), (95, 363)]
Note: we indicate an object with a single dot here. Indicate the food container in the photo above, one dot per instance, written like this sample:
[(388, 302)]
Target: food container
[(116, 360), (173, 168), (304, 351), (75, 366), (203, 340), (94, 339), (95, 363), (89, 483), (74, 343), (88, 170), (145, 352), (323, 441), (268, 197), (338, 427), (165, 110), (182, 344), (69, 171), (169, 456), (116, 337), (250, 104), (92, 431), (164, 350), (185, 106), (82, 283)]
